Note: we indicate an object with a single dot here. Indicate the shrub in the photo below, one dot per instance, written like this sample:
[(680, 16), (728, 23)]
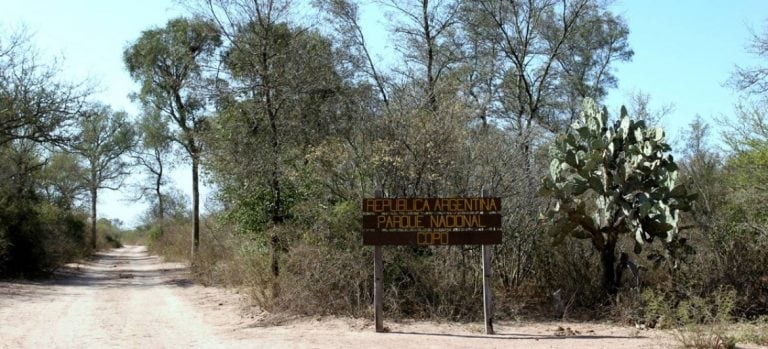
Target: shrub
[(39, 238)]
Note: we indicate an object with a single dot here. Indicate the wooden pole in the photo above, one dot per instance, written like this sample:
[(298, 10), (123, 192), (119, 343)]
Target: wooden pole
[(378, 282), (487, 292)]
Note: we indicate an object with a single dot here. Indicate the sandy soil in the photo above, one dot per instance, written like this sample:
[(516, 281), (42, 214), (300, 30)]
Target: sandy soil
[(128, 299)]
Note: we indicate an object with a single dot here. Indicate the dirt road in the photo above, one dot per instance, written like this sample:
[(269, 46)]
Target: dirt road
[(125, 298)]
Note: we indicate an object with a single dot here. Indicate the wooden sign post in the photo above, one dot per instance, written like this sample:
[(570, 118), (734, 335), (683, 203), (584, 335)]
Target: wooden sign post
[(487, 292), (378, 283), (431, 221)]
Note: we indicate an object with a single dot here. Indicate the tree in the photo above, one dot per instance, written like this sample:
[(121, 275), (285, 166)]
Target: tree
[(612, 180), (105, 137), (38, 112), (168, 62), (750, 129), (704, 169), (276, 102), (747, 164), (35, 235), (640, 105), (550, 55), (62, 179), (427, 42), (747, 138), (753, 80), (343, 15), (152, 154), (599, 40), (34, 104)]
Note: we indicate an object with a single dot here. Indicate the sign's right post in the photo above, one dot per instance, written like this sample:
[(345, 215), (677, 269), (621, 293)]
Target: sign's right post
[(487, 292)]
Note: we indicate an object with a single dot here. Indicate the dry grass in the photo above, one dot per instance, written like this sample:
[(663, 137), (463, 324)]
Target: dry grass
[(704, 337), (324, 270)]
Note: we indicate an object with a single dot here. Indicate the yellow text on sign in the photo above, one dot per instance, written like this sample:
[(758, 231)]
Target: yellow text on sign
[(432, 238), (434, 205), (435, 221)]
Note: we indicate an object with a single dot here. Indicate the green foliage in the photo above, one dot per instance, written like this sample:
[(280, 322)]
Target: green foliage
[(63, 179), (615, 179), (731, 224), (39, 238), (253, 208), (154, 233), (39, 227), (168, 63), (154, 131), (104, 138), (175, 209), (110, 232), (35, 104), (669, 311), (745, 174), (165, 59), (698, 321), (152, 154), (756, 332)]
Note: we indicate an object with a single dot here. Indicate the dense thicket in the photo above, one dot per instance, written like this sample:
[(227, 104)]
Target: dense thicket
[(42, 181), (303, 122)]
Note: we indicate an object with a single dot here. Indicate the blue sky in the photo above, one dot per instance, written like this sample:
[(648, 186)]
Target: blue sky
[(684, 52)]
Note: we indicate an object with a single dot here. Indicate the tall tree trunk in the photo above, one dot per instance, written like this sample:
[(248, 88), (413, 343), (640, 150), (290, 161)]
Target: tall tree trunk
[(160, 208), (195, 205), (430, 41), (608, 261), (93, 217), (277, 209)]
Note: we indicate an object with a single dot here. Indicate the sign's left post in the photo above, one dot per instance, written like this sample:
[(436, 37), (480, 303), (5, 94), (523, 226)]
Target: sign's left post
[(378, 282)]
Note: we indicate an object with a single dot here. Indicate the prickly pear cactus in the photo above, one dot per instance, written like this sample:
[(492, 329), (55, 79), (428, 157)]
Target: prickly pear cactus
[(608, 180)]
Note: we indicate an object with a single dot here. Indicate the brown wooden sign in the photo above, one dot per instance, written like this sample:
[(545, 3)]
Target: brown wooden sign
[(461, 237), (415, 205), (431, 221)]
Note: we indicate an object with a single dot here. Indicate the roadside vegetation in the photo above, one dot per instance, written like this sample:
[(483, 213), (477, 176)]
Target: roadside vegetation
[(605, 217)]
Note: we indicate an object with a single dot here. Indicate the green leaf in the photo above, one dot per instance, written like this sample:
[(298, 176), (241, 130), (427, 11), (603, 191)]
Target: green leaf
[(638, 133), (647, 148), (679, 191), (554, 169), (584, 132), (624, 126), (657, 134), (670, 165), (571, 159), (596, 184), (580, 185)]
